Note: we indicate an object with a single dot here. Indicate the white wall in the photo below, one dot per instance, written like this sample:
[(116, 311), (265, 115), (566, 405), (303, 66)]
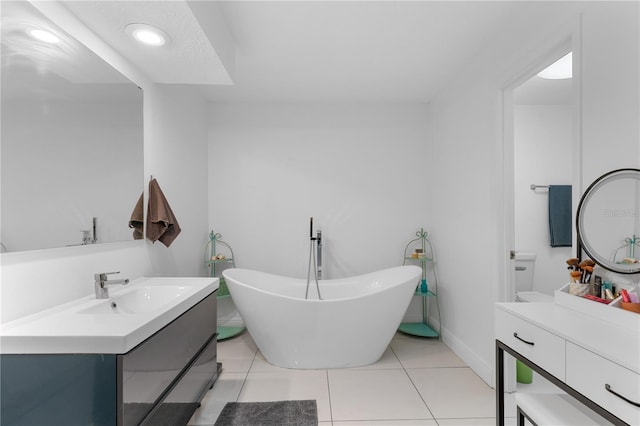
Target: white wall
[(176, 156), (175, 153), (543, 155), (611, 87), (466, 120), (360, 171)]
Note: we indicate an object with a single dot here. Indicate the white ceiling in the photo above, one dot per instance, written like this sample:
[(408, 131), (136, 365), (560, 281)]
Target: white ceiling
[(189, 58), (305, 51), (359, 51)]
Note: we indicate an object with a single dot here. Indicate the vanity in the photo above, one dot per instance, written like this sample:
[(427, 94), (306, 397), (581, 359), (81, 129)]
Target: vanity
[(588, 348), (595, 361), (149, 349)]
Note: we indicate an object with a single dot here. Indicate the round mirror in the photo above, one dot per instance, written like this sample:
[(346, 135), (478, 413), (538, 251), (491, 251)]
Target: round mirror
[(608, 221)]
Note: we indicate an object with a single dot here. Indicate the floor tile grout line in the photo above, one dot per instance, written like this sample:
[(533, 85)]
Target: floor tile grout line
[(329, 395), (244, 382), (413, 384)]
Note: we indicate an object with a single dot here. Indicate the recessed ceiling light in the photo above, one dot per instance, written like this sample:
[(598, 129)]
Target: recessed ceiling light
[(560, 69), (147, 34), (43, 35)]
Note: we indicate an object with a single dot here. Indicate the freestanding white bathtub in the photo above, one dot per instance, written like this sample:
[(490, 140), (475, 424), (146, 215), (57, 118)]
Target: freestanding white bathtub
[(351, 326)]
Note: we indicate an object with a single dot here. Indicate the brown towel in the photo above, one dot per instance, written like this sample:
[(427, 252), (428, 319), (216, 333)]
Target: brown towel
[(161, 223), (137, 219)]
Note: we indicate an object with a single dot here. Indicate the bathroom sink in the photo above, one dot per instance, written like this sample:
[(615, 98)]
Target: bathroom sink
[(139, 300), (116, 325)]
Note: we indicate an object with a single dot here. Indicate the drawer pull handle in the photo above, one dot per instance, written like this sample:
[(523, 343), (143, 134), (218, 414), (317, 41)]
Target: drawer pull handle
[(522, 340), (608, 388)]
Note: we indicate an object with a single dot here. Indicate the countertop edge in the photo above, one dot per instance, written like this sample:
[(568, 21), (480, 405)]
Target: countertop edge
[(34, 344)]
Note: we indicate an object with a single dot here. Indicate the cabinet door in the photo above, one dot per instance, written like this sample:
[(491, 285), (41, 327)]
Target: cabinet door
[(590, 374), (150, 368), (58, 389)]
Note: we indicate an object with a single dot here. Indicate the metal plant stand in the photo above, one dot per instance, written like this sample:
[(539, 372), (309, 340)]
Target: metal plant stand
[(216, 263), (419, 251)]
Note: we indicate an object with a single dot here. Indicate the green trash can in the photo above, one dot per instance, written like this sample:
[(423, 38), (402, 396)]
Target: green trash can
[(523, 373)]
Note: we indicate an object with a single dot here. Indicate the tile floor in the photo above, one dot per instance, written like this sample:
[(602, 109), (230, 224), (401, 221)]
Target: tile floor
[(417, 382)]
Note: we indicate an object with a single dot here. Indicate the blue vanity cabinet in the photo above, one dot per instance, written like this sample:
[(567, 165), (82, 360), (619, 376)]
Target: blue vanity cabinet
[(58, 389), (167, 374)]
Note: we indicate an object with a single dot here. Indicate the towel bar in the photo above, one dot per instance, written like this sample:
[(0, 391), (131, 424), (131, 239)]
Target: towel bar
[(534, 187)]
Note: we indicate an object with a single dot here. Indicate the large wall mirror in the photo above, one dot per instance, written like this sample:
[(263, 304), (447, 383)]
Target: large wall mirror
[(71, 139), (608, 221)]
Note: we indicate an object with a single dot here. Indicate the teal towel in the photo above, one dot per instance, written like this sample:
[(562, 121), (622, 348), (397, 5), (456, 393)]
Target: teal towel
[(560, 215)]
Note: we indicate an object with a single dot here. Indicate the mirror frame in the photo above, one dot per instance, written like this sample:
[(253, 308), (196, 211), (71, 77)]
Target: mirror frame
[(583, 243)]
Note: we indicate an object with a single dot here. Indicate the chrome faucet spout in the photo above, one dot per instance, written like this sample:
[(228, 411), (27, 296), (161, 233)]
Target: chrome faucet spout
[(101, 284), (114, 282)]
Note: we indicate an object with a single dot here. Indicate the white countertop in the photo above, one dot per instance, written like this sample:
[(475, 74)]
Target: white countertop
[(63, 329), (619, 343)]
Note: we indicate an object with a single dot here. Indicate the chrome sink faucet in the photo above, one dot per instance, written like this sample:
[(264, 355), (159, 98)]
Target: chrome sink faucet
[(101, 283)]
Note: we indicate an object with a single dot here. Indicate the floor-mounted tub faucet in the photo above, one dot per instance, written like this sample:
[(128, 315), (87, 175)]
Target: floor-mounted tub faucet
[(317, 269), (319, 253), (101, 283)]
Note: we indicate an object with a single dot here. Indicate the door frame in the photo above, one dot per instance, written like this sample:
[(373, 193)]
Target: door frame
[(563, 41)]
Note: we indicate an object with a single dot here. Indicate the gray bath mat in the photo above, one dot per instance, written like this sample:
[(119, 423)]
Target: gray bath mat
[(280, 413)]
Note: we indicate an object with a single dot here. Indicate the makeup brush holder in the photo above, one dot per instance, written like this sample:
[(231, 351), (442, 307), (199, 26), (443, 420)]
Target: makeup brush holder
[(578, 289)]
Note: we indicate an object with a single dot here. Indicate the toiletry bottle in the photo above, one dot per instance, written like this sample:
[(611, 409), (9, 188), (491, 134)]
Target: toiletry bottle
[(423, 285)]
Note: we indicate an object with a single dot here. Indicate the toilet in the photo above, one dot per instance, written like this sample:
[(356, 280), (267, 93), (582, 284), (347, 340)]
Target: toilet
[(525, 263)]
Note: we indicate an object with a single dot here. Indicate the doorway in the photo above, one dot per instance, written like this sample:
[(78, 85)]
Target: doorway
[(541, 134), (542, 156)]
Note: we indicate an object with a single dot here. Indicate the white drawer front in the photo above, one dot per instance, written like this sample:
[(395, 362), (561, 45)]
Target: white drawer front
[(543, 348), (588, 373)]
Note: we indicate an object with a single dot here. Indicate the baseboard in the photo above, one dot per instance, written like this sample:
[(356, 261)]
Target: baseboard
[(475, 362), (228, 315), (231, 321)]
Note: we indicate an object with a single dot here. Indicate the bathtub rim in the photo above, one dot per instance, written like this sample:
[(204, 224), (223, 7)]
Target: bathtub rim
[(334, 282)]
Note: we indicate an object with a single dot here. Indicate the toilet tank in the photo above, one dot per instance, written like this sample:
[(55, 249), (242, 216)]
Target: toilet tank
[(525, 265)]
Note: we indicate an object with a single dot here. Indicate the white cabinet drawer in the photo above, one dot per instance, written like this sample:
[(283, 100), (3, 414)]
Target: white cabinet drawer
[(589, 373), (541, 347)]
